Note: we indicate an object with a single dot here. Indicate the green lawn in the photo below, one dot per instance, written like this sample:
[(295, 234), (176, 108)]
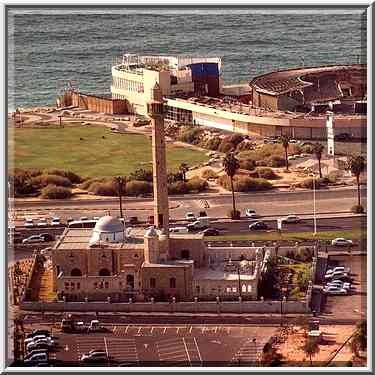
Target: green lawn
[(273, 236), (117, 154)]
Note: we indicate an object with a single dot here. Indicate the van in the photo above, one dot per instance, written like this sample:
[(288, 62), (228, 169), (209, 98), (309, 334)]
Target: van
[(178, 230)]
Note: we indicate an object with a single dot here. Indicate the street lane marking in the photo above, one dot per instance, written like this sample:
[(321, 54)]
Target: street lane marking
[(152, 329), (126, 330), (191, 327), (165, 330), (139, 330), (199, 353), (187, 352), (178, 329)]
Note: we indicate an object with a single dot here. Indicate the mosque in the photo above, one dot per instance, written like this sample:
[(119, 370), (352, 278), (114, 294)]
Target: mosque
[(110, 261)]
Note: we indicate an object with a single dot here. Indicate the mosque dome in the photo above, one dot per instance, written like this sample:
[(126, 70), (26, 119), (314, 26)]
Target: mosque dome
[(109, 224)]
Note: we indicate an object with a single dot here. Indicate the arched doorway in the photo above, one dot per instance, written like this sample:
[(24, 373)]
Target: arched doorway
[(76, 272), (104, 272), (130, 281)]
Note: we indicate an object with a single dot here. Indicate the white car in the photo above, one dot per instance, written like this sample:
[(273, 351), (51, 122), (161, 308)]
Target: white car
[(84, 218), (250, 213), (291, 219), (41, 343), (341, 242), (293, 141), (37, 338), (29, 222), (55, 222), (339, 284), (190, 216), (338, 269), (96, 218), (33, 239), (335, 290), (42, 222), (292, 157), (94, 356), (335, 275)]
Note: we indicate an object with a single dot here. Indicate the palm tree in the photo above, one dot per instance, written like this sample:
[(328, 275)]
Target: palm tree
[(231, 164), (311, 348), (183, 168), (120, 181), (318, 151), (357, 164), (285, 142)]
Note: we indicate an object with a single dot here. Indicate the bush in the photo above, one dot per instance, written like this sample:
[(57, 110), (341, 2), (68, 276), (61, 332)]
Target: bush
[(234, 215), (108, 189), (308, 183), (245, 145), (191, 135), (212, 143), (86, 185), (276, 161), (72, 177), (357, 209), (141, 175), (55, 192), (261, 163), (20, 183), (226, 147), (245, 184), (248, 164), (266, 173), (296, 293), (50, 179), (197, 184), (138, 187), (304, 254), (235, 139), (208, 173), (178, 187)]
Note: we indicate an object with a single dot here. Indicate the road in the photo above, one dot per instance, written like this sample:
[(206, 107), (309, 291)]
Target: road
[(266, 204)]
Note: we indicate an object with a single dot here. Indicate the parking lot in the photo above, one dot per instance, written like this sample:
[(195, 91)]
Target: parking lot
[(355, 303), (168, 345)]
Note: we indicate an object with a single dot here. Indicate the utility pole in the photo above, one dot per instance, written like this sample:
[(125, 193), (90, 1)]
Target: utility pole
[(239, 280), (120, 181)]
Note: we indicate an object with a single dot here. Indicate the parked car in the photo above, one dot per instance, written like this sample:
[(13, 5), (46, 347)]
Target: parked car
[(336, 275), (181, 230), (343, 137), (340, 284), (40, 344), (35, 351), (83, 218), (292, 157), (293, 141), (341, 242), (335, 290), (37, 332), (190, 216), (37, 338), (291, 219), (337, 269), (47, 236), (199, 224), (36, 359), (29, 222), (94, 356), (96, 218), (133, 220), (69, 220), (55, 222), (42, 222), (46, 251), (211, 232), (258, 225), (250, 212), (95, 326), (33, 239)]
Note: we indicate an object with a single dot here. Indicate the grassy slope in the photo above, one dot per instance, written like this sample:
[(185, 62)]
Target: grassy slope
[(94, 156), (272, 236)]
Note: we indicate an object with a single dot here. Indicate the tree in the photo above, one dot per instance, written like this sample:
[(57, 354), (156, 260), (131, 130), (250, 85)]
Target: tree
[(357, 164), (231, 164), (285, 142), (359, 339), (318, 151), (120, 182), (183, 168), (311, 348)]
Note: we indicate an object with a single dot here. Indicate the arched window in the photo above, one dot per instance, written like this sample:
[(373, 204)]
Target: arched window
[(152, 282), (172, 283), (130, 281), (104, 272), (185, 254), (76, 272)]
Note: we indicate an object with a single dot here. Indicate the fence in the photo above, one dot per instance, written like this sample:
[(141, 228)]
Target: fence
[(177, 307)]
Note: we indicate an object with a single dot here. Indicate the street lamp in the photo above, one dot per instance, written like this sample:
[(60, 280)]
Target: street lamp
[(314, 199), (120, 181), (282, 299)]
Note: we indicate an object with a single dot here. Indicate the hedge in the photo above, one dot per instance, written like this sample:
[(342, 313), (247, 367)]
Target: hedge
[(72, 177), (266, 173), (244, 183), (208, 173), (55, 192), (197, 184), (50, 179), (136, 187)]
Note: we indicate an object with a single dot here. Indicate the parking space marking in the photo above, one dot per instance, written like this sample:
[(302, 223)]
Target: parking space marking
[(172, 351), (191, 327), (165, 330), (126, 330), (139, 330), (152, 330)]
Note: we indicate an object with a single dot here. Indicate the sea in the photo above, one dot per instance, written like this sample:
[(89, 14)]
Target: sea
[(47, 48)]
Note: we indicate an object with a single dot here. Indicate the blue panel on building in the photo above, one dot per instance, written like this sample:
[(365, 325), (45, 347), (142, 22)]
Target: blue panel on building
[(204, 69)]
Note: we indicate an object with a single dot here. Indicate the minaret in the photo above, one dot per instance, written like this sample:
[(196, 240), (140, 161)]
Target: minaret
[(155, 110)]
